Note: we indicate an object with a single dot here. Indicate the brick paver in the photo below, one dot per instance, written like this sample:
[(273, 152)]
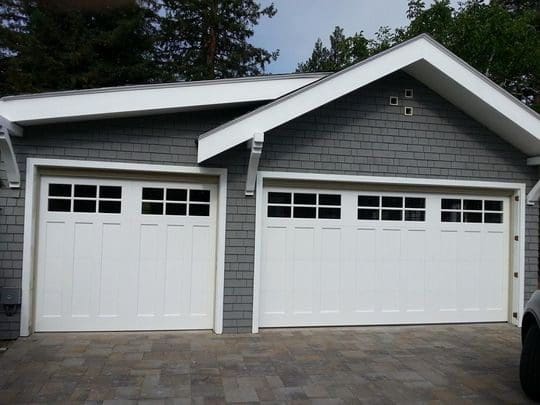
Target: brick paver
[(375, 365)]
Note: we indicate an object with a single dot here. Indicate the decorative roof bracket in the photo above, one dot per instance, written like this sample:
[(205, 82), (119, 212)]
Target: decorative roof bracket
[(534, 195), (7, 153), (256, 146)]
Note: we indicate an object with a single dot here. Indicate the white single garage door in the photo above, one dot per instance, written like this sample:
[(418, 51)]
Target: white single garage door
[(125, 255), (375, 257)]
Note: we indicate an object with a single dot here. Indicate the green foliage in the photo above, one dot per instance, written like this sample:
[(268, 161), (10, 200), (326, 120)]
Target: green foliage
[(57, 46), (207, 39), (501, 39), (343, 51), (48, 45)]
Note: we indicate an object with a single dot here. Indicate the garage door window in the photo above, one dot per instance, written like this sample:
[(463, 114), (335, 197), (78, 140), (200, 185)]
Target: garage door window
[(471, 210), (304, 205), (84, 198), (391, 208), (175, 201)]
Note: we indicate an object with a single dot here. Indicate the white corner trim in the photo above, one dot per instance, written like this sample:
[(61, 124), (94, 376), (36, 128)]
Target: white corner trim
[(499, 105), (220, 252), (259, 209), (518, 249), (256, 144), (33, 167), (534, 194), (518, 221), (8, 154)]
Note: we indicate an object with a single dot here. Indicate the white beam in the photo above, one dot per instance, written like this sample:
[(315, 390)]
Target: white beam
[(256, 144), (533, 161), (12, 128), (8, 154)]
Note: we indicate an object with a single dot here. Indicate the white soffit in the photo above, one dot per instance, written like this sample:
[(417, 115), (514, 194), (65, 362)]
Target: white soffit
[(421, 57), (148, 99)]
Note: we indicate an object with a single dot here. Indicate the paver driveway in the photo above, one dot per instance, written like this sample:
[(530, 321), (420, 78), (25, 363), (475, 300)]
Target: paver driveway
[(448, 364)]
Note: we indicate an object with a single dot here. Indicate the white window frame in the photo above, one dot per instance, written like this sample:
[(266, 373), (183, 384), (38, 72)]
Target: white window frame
[(34, 167), (517, 226)]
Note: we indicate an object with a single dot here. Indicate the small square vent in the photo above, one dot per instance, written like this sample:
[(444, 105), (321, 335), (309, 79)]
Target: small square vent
[(409, 93), (394, 100), (408, 111)]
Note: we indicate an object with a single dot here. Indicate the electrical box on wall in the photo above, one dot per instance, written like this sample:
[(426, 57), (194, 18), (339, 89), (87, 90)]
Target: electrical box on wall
[(10, 299), (10, 296)]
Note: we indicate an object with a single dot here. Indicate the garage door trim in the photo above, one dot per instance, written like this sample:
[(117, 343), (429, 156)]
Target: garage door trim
[(33, 179), (517, 214)]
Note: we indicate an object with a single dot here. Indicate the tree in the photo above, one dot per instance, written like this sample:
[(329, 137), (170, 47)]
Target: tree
[(208, 39), (57, 45), (344, 51), (501, 39)]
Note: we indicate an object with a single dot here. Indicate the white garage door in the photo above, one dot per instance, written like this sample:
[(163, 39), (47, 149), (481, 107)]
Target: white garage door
[(352, 258), (125, 255)]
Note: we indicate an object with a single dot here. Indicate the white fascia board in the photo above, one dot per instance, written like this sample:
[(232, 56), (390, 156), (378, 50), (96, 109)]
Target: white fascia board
[(147, 99), (505, 112), (478, 96)]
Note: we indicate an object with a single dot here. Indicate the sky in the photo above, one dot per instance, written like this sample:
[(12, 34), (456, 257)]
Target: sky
[(298, 24)]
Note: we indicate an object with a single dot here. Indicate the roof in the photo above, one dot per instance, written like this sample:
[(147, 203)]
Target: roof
[(146, 99), (421, 57)]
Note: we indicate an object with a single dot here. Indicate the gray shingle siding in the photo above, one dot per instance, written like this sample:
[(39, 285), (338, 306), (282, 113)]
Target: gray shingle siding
[(358, 134)]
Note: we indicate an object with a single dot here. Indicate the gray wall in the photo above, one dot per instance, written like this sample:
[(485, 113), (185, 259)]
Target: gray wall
[(358, 134)]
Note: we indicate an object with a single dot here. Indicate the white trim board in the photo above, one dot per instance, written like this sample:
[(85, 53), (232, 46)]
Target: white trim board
[(148, 99), (33, 173), (421, 57), (517, 248)]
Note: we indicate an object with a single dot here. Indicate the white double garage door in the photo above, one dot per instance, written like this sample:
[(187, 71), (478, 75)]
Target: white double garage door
[(382, 257), (126, 254)]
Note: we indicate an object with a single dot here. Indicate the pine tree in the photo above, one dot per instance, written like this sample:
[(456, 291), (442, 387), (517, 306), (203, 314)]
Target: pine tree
[(59, 45), (344, 51), (208, 39)]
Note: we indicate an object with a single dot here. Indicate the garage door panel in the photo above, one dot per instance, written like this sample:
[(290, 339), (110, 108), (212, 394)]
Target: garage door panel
[(445, 270), (177, 294), (306, 270), (331, 267), (388, 267), (413, 270), (112, 257), (55, 260), (494, 270), (433, 258), (111, 265), (86, 251), (150, 267), (365, 296), (469, 282), (275, 297), (200, 272)]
